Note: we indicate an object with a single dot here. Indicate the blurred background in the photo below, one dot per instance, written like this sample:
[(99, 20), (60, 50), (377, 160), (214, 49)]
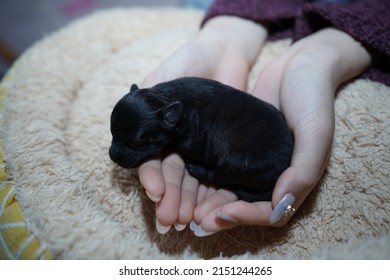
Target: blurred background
[(22, 22)]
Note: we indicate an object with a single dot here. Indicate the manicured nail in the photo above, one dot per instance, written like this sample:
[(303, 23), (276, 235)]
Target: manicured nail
[(225, 217), (152, 197), (281, 208), (179, 227), (162, 229), (198, 230)]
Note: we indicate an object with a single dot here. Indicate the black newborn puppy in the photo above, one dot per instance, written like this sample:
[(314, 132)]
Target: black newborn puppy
[(226, 137)]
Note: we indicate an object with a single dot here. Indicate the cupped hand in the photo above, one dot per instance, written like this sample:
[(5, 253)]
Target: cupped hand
[(212, 54), (302, 83)]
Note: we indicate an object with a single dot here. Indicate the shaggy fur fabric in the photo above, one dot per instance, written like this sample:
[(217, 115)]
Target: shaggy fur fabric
[(56, 140)]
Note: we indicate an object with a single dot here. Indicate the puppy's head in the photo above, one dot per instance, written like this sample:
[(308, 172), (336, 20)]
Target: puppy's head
[(141, 126)]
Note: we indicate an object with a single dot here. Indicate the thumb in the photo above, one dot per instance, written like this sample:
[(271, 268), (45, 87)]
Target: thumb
[(309, 160)]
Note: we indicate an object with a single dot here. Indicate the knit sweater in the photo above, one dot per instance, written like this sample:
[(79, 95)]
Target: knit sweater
[(368, 21)]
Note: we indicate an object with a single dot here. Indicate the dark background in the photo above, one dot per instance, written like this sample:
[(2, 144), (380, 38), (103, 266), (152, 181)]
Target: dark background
[(22, 22)]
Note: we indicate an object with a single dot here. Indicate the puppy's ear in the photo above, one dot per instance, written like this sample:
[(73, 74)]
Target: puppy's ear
[(171, 114), (133, 87)]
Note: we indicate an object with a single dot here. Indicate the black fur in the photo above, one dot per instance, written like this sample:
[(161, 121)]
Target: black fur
[(226, 137)]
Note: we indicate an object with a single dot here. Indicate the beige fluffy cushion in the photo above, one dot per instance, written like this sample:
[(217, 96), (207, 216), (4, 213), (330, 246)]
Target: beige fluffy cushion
[(56, 140)]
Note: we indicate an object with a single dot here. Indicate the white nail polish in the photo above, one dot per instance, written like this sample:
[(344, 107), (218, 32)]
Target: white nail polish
[(193, 225), (281, 207), (162, 229), (179, 227), (198, 230)]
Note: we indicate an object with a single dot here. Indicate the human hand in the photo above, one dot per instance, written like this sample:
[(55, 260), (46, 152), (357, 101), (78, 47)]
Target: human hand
[(301, 83), (214, 55)]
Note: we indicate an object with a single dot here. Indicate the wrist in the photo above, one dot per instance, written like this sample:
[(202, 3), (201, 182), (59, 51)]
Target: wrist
[(354, 58), (345, 56), (233, 34)]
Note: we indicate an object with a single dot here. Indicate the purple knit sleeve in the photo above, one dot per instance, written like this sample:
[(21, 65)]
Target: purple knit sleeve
[(368, 21), (255, 10)]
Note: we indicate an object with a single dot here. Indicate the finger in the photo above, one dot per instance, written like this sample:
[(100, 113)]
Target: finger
[(207, 228), (313, 129), (310, 115), (311, 154), (232, 214), (189, 193), (207, 209), (213, 201), (152, 180), (242, 212), (294, 185), (210, 191), (202, 193), (168, 207)]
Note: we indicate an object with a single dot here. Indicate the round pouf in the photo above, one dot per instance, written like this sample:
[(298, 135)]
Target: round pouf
[(58, 101)]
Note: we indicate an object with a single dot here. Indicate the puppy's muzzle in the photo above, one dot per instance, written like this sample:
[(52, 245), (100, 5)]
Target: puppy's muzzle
[(120, 157)]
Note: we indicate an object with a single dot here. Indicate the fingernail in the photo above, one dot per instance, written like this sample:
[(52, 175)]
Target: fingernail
[(281, 207), (152, 197), (162, 229), (179, 227), (225, 217), (198, 230)]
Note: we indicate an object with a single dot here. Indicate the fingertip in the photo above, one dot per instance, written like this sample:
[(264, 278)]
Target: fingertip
[(198, 230), (283, 208), (179, 226), (153, 197), (213, 223), (152, 180), (216, 199), (289, 182), (162, 229), (290, 191), (242, 212), (226, 217), (167, 211)]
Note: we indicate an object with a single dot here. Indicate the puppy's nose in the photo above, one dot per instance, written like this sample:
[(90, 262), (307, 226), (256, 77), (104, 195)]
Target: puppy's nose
[(119, 157), (113, 152)]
